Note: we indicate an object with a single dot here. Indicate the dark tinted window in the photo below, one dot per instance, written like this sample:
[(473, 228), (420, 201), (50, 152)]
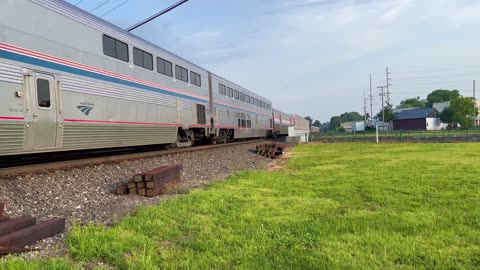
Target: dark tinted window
[(247, 98), (142, 59), (236, 94), (43, 93), (242, 97), (229, 92), (181, 73), (195, 79), (109, 46), (164, 67), (115, 48), (222, 89)]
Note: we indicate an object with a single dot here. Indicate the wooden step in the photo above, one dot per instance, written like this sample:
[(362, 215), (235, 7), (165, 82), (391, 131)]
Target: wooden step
[(4, 218), (16, 224), (32, 234)]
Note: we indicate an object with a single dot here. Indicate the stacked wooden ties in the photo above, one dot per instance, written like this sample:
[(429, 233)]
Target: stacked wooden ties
[(152, 183), (17, 233)]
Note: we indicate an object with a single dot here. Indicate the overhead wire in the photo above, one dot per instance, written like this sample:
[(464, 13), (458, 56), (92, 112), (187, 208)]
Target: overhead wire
[(168, 9), (79, 2), (99, 6), (115, 8)]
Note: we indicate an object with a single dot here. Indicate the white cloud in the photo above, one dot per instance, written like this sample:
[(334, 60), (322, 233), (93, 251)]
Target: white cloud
[(313, 57)]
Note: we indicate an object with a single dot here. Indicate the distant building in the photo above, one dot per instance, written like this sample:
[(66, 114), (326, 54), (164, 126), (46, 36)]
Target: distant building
[(358, 126), (315, 129), (403, 109), (418, 119), (443, 105), (347, 126), (300, 129)]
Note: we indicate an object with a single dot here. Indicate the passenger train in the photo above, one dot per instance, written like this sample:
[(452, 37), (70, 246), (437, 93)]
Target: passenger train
[(70, 81)]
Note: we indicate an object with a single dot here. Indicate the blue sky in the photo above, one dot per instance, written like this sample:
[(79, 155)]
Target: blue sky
[(314, 57)]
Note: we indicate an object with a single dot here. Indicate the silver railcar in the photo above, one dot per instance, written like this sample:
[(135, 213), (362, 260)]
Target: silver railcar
[(282, 121), (70, 80)]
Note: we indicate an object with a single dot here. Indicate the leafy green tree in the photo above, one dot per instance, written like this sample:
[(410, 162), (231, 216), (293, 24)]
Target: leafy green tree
[(448, 116), (412, 103), (310, 120), (325, 127), (317, 123), (442, 95), (335, 121), (464, 112), (389, 115)]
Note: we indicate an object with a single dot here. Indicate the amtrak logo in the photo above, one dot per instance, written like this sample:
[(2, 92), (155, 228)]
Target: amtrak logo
[(85, 108)]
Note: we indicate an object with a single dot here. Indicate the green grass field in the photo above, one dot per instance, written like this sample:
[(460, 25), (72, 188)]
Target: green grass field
[(334, 206)]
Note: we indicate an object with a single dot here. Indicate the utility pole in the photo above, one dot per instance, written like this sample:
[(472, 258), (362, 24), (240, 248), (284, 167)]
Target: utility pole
[(371, 98), (474, 106), (388, 84), (382, 94), (364, 107)]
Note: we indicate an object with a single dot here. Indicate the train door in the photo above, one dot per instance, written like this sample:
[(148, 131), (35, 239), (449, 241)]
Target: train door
[(43, 126)]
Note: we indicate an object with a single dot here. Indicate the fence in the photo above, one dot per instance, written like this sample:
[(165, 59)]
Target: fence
[(450, 135)]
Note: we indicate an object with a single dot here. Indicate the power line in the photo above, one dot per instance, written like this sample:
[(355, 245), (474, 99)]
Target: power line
[(371, 97), (121, 4), (170, 8), (99, 6), (436, 69), (440, 76), (79, 2), (388, 84)]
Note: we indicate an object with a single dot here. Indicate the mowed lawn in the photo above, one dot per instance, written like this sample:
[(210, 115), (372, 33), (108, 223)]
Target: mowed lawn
[(348, 206)]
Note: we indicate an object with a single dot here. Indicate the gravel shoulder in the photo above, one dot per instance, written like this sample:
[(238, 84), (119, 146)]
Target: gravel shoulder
[(86, 195)]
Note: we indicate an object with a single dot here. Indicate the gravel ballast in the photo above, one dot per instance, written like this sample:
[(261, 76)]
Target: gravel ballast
[(86, 195)]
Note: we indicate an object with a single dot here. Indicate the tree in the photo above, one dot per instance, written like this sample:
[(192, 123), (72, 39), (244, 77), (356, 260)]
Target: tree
[(442, 95), (309, 121), (389, 115), (448, 116), (463, 111), (325, 127), (317, 123), (335, 121), (412, 103)]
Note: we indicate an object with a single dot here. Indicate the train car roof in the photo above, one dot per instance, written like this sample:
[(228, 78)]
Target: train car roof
[(82, 16)]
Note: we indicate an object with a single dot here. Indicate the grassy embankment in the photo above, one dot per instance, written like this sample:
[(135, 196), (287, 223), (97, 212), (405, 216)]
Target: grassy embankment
[(352, 205)]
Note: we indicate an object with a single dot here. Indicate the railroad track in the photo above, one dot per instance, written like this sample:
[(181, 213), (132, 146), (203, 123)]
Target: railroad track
[(70, 161)]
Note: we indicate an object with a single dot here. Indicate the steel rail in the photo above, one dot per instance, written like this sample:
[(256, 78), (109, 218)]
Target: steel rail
[(9, 172)]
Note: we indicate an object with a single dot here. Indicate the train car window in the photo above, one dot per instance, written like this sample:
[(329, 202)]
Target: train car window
[(222, 89), (239, 122), (115, 48), (164, 67), (43, 93), (236, 94), (242, 97), (181, 73), (196, 79), (244, 123), (249, 123), (229, 92), (247, 98), (142, 59)]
